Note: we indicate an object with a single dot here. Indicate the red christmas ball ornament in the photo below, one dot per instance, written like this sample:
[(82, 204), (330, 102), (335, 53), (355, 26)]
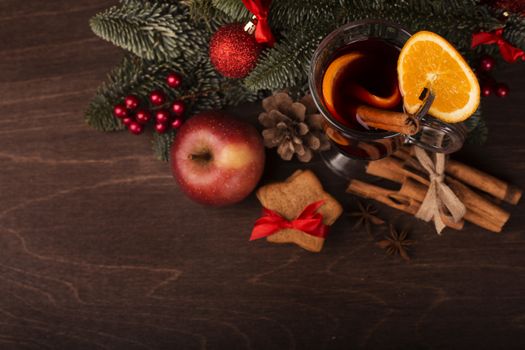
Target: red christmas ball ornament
[(143, 117), (234, 52), (162, 116), (157, 97), (131, 102), (174, 80), (127, 121), (177, 123), (178, 108), (161, 128), (487, 63), (486, 89), (120, 111), (502, 90), (135, 128)]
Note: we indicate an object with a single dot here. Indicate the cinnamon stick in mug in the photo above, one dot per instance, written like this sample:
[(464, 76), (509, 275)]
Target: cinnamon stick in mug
[(387, 120)]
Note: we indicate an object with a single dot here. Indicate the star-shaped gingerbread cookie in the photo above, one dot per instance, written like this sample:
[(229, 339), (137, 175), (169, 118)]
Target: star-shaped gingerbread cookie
[(290, 198)]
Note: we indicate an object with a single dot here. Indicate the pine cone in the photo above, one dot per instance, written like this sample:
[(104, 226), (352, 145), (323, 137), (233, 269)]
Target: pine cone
[(293, 127)]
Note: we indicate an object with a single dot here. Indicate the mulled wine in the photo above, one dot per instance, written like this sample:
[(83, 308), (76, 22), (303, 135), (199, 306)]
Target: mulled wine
[(353, 75), (362, 75), (370, 79)]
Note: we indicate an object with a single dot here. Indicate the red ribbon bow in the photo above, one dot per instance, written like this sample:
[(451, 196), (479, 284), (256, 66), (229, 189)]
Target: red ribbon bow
[(260, 9), (508, 52), (309, 221)]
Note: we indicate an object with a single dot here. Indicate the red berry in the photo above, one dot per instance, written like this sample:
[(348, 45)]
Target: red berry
[(177, 123), (502, 90), (487, 63), (486, 88), (135, 128), (162, 116), (143, 117), (127, 121), (178, 108), (157, 97), (120, 111), (161, 128), (174, 80), (132, 102)]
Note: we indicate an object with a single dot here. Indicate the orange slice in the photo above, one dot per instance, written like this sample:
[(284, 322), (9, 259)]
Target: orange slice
[(369, 98), (336, 136), (334, 71), (429, 61)]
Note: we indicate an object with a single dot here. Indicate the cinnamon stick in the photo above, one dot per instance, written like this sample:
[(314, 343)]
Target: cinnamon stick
[(395, 199), (387, 120), (394, 170), (482, 221), (405, 201), (480, 211), (485, 182), (478, 204)]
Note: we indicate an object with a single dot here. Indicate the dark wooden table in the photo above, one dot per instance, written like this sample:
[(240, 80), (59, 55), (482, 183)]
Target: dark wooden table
[(100, 249)]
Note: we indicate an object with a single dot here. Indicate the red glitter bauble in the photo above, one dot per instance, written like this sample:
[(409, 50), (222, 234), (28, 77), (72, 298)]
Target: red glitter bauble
[(234, 52)]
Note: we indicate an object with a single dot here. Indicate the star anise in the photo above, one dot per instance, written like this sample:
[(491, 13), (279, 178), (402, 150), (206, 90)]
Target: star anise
[(396, 243), (366, 217)]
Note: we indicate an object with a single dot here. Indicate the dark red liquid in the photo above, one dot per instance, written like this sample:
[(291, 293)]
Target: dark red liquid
[(376, 72)]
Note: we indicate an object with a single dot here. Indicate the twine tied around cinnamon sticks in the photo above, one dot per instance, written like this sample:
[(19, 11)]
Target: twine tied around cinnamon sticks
[(439, 195), (480, 193)]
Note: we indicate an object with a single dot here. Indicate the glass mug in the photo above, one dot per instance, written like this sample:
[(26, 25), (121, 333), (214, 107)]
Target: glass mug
[(349, 145)]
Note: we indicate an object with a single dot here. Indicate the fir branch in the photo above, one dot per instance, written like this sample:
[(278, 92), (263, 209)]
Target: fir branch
[(161, 144), (478, 136), (205, 11), (234, 9), (515, 31), (99, 114), (286, 15), (203, 89), (285, 65), (151, 30)]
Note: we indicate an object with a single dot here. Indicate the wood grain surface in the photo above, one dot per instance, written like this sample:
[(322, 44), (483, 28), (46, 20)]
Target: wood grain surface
[(100, 249)]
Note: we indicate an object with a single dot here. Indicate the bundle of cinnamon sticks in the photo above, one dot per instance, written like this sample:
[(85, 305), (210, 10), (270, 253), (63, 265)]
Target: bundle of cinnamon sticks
[(478, 191)]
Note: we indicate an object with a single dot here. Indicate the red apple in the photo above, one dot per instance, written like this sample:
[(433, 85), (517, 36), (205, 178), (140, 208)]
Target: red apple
[(216, 159)]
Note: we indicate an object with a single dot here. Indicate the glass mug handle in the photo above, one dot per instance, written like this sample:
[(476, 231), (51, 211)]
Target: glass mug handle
[(435, 135)]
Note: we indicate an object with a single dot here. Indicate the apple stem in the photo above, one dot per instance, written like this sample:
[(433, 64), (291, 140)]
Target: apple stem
[(202, 157)]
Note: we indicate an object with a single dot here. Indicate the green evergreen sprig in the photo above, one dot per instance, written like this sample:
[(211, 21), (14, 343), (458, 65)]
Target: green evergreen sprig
[(203, 89), (173, 35), (150, 29), (286, 65)]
